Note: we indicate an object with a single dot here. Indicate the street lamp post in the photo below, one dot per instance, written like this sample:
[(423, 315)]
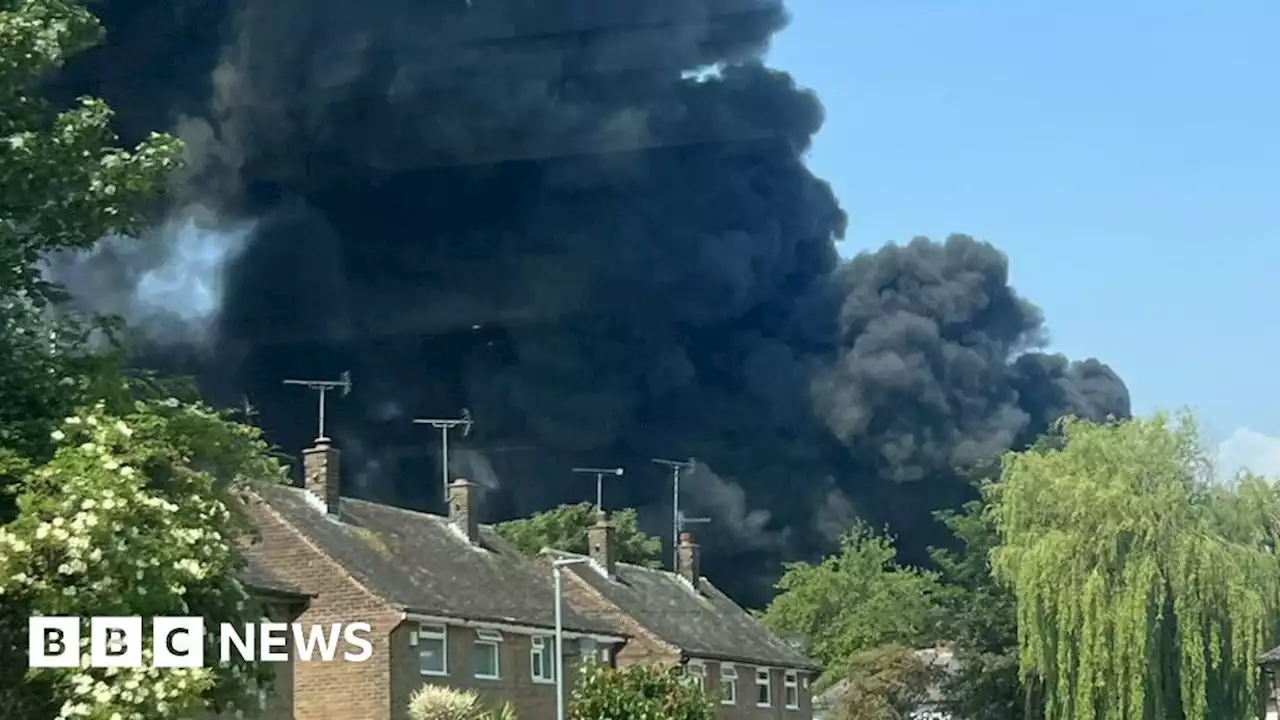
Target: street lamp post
[(556, 566)]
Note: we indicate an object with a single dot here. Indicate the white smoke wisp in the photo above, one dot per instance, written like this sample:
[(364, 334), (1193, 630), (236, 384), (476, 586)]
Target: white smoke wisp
[(726, 503), (167, 285), (474, 466)]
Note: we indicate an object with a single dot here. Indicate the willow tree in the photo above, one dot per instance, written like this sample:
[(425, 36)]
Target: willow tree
[(1144, 588)]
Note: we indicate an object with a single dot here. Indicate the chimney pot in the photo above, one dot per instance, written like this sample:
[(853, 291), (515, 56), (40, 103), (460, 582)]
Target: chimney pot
[(462, 510), (603, 550), (320, 474), (689, 564)]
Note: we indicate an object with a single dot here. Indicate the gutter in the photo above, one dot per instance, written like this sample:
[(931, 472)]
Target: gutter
[(509, 626)]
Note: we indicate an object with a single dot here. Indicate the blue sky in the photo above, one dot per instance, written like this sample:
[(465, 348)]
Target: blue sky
[(1124, 156)]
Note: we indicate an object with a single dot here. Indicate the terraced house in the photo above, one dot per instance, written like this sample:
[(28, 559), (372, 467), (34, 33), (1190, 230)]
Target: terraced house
[(451, 603), (680, 617)]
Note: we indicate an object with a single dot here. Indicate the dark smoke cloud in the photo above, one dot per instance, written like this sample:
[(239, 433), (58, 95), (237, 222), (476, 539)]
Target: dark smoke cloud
[(591, 224)]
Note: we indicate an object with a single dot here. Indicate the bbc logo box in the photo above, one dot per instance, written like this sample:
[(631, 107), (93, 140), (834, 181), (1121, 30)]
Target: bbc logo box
[(178, 642)]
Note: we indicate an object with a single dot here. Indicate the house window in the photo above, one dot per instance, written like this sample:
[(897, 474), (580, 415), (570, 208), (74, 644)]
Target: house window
[(696, 674), (764, 696), (541, 665), (587, 649), (484, 655), (791, 690), (728, 684), (433, 650)]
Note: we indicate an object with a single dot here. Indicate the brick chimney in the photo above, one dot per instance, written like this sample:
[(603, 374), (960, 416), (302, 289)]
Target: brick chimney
[(320, 474), (689, 563), (462, 509), (603, 551)]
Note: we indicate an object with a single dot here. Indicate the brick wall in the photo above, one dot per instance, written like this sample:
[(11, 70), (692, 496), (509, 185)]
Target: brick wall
[(645, 648), (745, 706), (330, 690), (532, 699)]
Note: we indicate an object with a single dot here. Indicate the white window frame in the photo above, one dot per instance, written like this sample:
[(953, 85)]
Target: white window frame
[(764, 679), (543, 647), (696, 672), (492, 641), (729, 679), (791, 688), (434, 632)]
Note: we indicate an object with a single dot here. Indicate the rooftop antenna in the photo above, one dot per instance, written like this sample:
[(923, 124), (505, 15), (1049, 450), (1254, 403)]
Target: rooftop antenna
[(444, 425), (678, 520), (343, 383), (683, 521), (600, 473)]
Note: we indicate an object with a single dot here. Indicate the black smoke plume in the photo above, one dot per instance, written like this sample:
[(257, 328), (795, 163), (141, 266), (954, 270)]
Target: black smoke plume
[(588, 221)]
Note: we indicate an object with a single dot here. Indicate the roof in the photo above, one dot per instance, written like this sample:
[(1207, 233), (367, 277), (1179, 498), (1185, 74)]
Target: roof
[(704, 624), (259, 578), (419, 562), (1270, 656)]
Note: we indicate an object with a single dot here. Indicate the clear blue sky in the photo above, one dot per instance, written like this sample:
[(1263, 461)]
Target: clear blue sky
[(1124, 155)]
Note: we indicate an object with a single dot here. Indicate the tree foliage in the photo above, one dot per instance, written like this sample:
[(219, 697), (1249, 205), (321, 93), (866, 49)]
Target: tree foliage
[(65, 186), (638, 692), (134, 515), (980, 619), (565, 528), (855, 600), (1143, 588), (884, 683), (116, 494)]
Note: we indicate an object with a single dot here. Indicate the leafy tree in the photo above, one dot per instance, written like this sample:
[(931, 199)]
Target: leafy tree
[(980, 619), (65, 186), (117, 500), (884, 683), (855, 600), (1143, 588), (135, 515), (565, 528), (638, 692)]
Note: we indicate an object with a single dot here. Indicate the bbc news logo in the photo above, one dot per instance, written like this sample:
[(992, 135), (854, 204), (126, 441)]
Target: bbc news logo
[(178, 642)]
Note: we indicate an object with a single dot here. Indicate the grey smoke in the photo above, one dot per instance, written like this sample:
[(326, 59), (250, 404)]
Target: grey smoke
[(168, 284)]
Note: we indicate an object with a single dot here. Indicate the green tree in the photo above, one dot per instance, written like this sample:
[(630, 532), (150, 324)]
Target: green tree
[(565, 528), (980, 619), (1144, 589), (638, 692), (65, 186), (136, 515), (118, 495), (884, 683), (855, 600)]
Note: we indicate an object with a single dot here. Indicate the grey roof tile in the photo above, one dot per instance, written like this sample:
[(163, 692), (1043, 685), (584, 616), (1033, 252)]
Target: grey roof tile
[(705, 624), (256, 575), (419, 562)]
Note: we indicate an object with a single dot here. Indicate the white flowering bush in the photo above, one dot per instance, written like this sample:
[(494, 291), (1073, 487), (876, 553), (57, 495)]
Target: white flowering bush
[(135, 515), (437, 702)]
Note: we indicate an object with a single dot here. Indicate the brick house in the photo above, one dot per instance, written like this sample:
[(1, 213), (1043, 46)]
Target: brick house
[(449, 601), (681, 618)]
